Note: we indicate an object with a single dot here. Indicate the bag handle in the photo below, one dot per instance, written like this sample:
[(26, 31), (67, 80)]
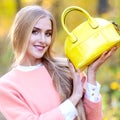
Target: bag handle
[(91, 21)]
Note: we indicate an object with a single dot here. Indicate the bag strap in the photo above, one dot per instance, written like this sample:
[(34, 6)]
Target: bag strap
[(91, 21)]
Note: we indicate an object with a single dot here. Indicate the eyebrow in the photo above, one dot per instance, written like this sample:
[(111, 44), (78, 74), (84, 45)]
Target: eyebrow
[(36, 28), (40, 29)]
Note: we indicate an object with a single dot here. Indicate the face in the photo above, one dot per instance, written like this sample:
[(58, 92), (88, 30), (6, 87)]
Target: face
[(39, 41)]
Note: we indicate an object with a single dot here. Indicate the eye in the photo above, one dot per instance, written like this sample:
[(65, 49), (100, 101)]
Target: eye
[(35, 32), (48, 34)]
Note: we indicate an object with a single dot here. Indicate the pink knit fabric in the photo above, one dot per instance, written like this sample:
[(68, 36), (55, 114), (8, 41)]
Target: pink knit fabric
[(31, 95)]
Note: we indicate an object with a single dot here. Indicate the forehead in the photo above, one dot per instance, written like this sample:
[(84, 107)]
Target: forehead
[(44, 23)]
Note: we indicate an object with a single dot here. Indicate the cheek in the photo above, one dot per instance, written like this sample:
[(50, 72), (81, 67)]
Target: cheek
[(32, 38), (49, 40)]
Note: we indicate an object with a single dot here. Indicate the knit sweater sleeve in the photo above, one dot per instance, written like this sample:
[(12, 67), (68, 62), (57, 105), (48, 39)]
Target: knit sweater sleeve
[(13, 108), (93, 109)]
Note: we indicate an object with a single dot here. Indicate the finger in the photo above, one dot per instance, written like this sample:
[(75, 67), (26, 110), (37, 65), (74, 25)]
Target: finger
[(71, 66), (109, 53), (78, 74), (106, 55), (113, 50), (81, 83), (72, 69)]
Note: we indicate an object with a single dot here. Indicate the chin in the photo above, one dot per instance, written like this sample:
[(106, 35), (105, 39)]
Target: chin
[(38, 56)]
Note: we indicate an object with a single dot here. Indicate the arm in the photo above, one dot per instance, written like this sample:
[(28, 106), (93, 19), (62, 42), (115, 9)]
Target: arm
[(92, 109), (93, 105), (14, 108), (92, 102)]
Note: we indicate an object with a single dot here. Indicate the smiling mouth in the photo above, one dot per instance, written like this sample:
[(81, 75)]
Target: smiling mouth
[(39, 47)]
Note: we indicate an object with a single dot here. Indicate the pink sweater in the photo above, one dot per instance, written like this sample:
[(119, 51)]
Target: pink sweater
[(31, 96)]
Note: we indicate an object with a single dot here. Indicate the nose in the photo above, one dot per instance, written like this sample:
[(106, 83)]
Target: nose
[(42, 38)]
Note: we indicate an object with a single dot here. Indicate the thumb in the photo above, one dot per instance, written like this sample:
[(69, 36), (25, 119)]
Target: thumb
[(83, 79)]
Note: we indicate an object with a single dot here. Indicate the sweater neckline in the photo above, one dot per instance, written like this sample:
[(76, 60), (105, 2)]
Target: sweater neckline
[(28, 68)]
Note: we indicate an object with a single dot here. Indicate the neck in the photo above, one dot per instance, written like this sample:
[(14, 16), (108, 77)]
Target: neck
[(30, 63)]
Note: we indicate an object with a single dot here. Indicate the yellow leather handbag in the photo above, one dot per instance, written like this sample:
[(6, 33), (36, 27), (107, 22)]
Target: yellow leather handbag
[(88, 40)]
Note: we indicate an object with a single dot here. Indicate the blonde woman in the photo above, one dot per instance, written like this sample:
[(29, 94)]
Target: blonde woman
[(40, 86)]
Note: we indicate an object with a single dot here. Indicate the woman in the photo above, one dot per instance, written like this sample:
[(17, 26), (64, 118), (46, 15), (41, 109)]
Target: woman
[(41, 86)]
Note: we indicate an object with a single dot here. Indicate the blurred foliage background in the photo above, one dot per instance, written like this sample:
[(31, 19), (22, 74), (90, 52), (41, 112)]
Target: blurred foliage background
[(109, 73)]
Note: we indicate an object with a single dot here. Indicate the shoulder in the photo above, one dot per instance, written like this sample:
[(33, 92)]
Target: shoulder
[(6, 78), (8, 85)]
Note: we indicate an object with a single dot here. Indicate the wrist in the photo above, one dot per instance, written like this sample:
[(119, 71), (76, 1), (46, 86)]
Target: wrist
[(74, 100), (91, 77)]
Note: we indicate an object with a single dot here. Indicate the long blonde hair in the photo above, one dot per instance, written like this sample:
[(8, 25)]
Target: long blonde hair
[(20, 33)]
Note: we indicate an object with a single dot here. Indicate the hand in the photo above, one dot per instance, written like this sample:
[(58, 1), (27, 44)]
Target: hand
[(77, 85), (92, 69)]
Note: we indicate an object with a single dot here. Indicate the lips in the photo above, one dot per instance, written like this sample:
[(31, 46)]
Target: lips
[(39, 47)]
